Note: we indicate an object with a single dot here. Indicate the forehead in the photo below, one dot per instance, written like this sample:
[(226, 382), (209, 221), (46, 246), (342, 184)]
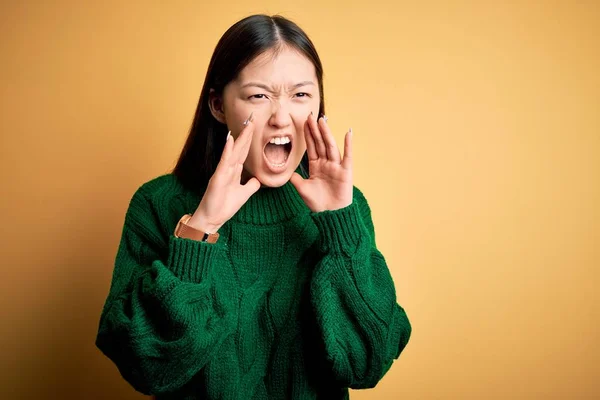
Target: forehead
[(285, 66)]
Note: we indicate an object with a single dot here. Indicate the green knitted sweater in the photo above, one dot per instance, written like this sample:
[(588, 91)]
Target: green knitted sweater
[(288, 304)]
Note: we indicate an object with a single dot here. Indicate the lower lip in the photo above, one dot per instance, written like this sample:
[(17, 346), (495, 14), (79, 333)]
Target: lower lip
[(276, 168)]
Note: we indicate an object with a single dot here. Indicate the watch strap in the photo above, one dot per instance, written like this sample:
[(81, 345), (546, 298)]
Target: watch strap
[(182, 230)]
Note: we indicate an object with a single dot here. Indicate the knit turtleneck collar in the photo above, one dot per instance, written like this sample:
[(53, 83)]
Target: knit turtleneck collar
[(271, 205), (267, 206)]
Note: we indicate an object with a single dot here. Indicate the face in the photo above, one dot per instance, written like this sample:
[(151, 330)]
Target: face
[(281, 92)]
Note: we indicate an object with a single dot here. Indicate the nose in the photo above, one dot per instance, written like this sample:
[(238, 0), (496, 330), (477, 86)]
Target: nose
[(280, 115)]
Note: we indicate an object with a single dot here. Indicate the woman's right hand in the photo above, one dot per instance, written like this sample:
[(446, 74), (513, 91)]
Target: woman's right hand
[(225, 194)]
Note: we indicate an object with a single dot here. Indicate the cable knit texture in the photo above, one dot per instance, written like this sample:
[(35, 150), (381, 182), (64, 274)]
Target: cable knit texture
[(288, 304)]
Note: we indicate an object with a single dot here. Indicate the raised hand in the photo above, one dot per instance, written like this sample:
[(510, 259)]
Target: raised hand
[(225, 194), (329, 186)]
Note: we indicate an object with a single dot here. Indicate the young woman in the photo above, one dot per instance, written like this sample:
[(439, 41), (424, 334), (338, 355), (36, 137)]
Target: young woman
[(251, 271)]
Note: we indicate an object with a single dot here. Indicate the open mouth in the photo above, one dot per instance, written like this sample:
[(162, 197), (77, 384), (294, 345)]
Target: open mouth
[(277, 151)]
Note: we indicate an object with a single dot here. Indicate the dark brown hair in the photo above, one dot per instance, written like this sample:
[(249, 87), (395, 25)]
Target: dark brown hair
[(241, 43)]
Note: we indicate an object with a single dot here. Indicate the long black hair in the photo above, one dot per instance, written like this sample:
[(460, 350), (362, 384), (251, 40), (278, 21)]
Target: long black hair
[(239, 45)]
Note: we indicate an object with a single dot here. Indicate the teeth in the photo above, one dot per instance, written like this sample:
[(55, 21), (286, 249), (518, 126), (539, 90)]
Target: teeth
[(280, 140)]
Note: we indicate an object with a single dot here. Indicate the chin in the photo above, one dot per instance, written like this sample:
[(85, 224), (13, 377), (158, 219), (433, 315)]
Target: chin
[(274, 181), (274, 178)]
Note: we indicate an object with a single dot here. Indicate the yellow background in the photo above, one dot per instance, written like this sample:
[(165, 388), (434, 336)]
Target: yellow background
[(477, 144)]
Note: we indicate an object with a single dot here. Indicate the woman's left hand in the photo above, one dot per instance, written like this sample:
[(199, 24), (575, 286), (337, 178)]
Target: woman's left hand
[(329, 186)]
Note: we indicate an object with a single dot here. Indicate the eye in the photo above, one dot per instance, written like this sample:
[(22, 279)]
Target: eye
[(302, 94), (256, 96)]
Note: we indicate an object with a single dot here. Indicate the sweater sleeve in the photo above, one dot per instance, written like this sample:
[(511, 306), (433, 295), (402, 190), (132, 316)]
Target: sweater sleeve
[(353, 296), (168, 307)]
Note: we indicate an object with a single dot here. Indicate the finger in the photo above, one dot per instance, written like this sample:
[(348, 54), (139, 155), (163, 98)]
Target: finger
[(296, 180), (303, 187), (237, 175), (227, 148), (240, 151), (224, 165), (242, 136), (333, 153), (246, 147), (310, 142), (347, 161), (250, 187), (316, 134)]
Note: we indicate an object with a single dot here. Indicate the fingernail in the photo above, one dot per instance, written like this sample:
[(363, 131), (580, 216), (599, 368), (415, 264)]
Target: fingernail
[(249, 118), (351, 131), (325, 118), (228, 135)]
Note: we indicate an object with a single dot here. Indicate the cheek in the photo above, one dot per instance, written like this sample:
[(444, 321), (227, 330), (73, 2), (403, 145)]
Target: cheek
[(236, 113), (300, 143), (255, 154)]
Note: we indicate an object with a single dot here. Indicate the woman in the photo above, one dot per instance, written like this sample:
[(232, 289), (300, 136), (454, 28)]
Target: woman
[(251, 271)]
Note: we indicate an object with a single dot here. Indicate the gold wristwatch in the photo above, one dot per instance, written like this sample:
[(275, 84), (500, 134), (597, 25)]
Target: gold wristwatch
[(182, 230)]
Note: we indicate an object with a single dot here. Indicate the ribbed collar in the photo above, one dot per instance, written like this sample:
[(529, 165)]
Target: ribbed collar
[(266, 206), (272, 205)]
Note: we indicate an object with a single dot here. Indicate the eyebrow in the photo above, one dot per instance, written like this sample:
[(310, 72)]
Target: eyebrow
[(269, 89)]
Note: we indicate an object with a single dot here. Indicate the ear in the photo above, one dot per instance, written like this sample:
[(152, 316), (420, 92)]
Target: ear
[(215, 103)]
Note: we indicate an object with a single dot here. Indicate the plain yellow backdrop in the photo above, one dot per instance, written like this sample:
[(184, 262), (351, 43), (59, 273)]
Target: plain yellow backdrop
[(477, 144)]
